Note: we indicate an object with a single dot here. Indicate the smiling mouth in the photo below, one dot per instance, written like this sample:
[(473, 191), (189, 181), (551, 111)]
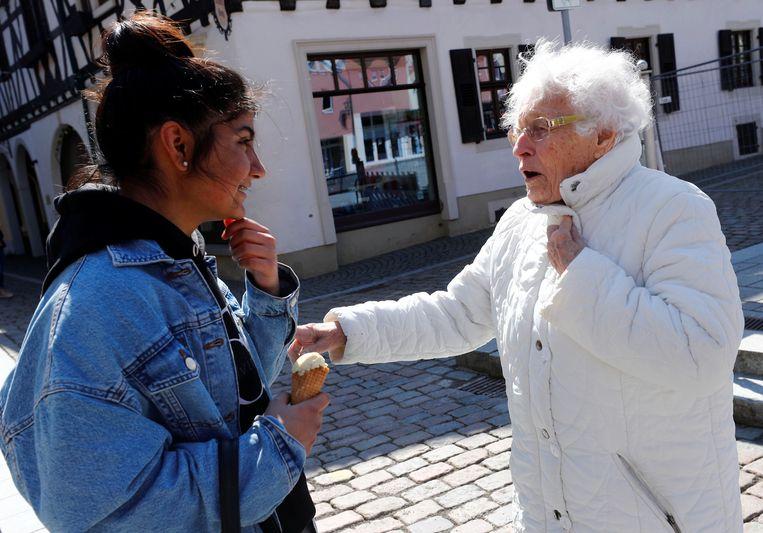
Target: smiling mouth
[(243, 188)]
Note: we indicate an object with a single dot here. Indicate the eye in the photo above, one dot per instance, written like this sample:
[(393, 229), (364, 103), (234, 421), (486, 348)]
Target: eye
[(247, 141)]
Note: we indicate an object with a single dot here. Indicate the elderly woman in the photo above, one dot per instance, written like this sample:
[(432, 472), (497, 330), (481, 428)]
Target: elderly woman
[(610, 292)]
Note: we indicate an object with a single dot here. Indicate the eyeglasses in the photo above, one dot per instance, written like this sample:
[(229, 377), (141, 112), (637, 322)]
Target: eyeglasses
[(540, 127)]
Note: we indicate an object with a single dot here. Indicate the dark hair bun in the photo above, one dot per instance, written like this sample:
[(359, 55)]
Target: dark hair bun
[(143, 41)]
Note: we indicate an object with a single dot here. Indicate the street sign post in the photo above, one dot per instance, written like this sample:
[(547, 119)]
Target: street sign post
[(564, 6)]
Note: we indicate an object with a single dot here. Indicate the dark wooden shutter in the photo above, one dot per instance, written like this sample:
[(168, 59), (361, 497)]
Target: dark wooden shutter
[(669, 85), (760, 53), (727, 70), (467, 95), (617, 43)]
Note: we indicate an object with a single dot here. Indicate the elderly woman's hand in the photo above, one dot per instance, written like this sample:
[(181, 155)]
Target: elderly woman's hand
[(564, 244)]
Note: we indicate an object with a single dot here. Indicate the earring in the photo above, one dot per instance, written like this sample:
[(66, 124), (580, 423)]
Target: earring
[(185, 164)]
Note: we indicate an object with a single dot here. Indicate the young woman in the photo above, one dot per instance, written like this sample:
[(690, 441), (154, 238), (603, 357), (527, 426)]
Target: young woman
[(141, 397)]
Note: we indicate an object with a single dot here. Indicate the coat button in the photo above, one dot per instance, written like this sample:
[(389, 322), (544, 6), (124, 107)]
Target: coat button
[(191, 363), (545, 434), (538, 345)]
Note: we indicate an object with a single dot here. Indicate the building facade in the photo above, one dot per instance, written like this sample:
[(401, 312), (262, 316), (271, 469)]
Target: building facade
[(381, 126)]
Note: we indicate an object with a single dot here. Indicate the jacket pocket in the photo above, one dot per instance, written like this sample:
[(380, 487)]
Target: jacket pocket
[(656, 502), (170, 377)]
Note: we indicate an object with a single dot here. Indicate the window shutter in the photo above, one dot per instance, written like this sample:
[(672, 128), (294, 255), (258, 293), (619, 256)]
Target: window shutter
[(725, 49), (667, 57), (617, 43), (467, 95), (760, 53)]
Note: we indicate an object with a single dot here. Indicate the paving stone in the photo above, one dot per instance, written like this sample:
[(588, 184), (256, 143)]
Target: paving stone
[(475, 526), (430, 472), (748, 433), (501, 516), (386, 524), (342, 464), (396, 486), (431, 525), (753, 527), (426, 491), (756, 489), (410, 465), (752, 506), (444, 440), (370, 443), (479, 427), (500, 446), (498, 462), (470, 510), (501, 432), (406, 453), (338, 521), (413, 438), (370, 480), (332, 478), (376, 451), (371, 465), (380, 506), (504, 495), (477, 441), (468, 458), (418, 512), (351, 500), (322, 509), (442, 453), (459, 496), (756, 467), (749, 452), (495, 481), (466, 475)]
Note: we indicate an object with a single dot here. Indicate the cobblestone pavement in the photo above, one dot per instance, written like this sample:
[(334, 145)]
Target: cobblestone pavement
[(405, 446)]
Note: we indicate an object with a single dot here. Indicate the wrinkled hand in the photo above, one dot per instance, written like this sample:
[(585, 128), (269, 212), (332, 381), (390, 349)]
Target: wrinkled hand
[(325, 337), (302, 421), (254, 249), (564, 244)]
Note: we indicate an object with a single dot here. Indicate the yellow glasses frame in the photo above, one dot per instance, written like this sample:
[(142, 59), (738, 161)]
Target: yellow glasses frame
[(540, 127)]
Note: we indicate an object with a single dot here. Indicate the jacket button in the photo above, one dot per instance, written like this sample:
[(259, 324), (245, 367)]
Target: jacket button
[(545, 434), (191, 363), (538, 345)]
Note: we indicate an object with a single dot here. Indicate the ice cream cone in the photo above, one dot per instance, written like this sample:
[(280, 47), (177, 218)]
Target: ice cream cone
[(307, 377)]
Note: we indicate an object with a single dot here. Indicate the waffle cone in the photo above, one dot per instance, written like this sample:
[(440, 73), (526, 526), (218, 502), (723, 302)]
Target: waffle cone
[(305, 386)]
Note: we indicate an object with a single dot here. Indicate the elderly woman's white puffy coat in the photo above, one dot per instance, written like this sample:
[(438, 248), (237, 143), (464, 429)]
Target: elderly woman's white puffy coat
[(618, 372)]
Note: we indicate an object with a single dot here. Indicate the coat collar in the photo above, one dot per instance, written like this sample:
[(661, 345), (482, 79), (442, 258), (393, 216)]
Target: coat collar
[(604, 175)]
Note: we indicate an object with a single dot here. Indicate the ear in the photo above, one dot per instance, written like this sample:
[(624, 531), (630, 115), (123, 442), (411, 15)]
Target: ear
[(176, 141), (604, 143)]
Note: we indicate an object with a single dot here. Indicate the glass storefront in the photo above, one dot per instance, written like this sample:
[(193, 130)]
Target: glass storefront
[(374, 135)]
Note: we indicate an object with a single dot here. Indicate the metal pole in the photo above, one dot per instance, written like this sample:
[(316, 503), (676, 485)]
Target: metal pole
[(566, 26)]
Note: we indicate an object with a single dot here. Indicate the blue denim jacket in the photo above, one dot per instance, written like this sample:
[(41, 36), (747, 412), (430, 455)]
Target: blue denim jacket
[(124, 381)]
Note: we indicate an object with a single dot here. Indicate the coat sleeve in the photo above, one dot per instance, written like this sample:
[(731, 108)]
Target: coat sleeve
[(270, 321), (105, 465), (422, 326), (682, 328)]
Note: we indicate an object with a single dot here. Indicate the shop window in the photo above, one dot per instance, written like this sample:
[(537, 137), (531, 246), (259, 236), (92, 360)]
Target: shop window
[(375, 141)]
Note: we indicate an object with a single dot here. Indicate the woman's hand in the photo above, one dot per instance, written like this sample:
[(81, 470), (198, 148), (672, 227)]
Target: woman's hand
[(302, 421), (325, 337), (254, 249), (564, 244)]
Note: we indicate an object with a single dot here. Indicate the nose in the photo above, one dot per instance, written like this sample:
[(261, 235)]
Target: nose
[(256, 169), (524, 146)]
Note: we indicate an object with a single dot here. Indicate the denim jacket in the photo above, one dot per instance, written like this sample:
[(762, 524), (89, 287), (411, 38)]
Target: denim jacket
[(124, 381)]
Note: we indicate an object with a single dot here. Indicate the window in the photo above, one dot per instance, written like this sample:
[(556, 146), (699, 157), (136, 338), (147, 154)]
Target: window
[(741, 71), (494, 78), (747, 138), (639, 47), (371, 115)]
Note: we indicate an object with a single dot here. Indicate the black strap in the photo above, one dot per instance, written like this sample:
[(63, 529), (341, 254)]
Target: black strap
[(227, 463)]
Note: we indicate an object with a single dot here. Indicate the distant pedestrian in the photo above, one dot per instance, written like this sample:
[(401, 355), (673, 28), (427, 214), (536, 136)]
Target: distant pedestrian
[(4, 293), (141, 399), (611, 294)]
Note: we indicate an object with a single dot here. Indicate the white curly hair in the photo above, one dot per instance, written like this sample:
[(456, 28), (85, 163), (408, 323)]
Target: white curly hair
[(602, 85)]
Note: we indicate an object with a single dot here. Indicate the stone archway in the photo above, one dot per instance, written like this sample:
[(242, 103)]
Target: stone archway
[(12, 222), (71, 154)]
